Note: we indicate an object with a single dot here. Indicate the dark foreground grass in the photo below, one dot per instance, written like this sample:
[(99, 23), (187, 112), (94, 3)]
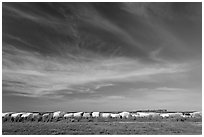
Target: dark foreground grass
[(85, 128)]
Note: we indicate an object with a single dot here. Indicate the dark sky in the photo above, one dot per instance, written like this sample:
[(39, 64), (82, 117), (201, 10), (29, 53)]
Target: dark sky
[(101, 56)]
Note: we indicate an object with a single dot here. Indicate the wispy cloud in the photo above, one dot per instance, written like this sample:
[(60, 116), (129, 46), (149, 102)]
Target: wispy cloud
[(170, 89), (114, 97), (160, 89), (33, 14), (101, 52), (41, 75), (103, 85)]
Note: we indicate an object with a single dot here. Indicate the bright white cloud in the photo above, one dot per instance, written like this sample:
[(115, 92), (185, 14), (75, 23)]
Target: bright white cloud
[(103, 85)]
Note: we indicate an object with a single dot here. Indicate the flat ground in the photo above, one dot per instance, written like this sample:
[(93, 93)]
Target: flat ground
[(84, 128)]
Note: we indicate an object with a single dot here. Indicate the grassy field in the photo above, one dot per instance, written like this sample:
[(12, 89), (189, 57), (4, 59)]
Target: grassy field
[(85, 128)]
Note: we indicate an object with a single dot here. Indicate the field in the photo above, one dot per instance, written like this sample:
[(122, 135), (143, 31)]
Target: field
[(114, 127)]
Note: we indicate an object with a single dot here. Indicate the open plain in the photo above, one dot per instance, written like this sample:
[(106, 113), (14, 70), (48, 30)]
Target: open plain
[(97, 128)]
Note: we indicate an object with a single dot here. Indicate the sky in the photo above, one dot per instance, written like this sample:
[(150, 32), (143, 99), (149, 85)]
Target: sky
[(101, 56)]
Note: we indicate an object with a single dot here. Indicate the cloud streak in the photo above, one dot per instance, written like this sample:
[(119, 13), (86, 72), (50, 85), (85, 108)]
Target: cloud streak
[(87, 51), (41, 75), (103, 85)]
